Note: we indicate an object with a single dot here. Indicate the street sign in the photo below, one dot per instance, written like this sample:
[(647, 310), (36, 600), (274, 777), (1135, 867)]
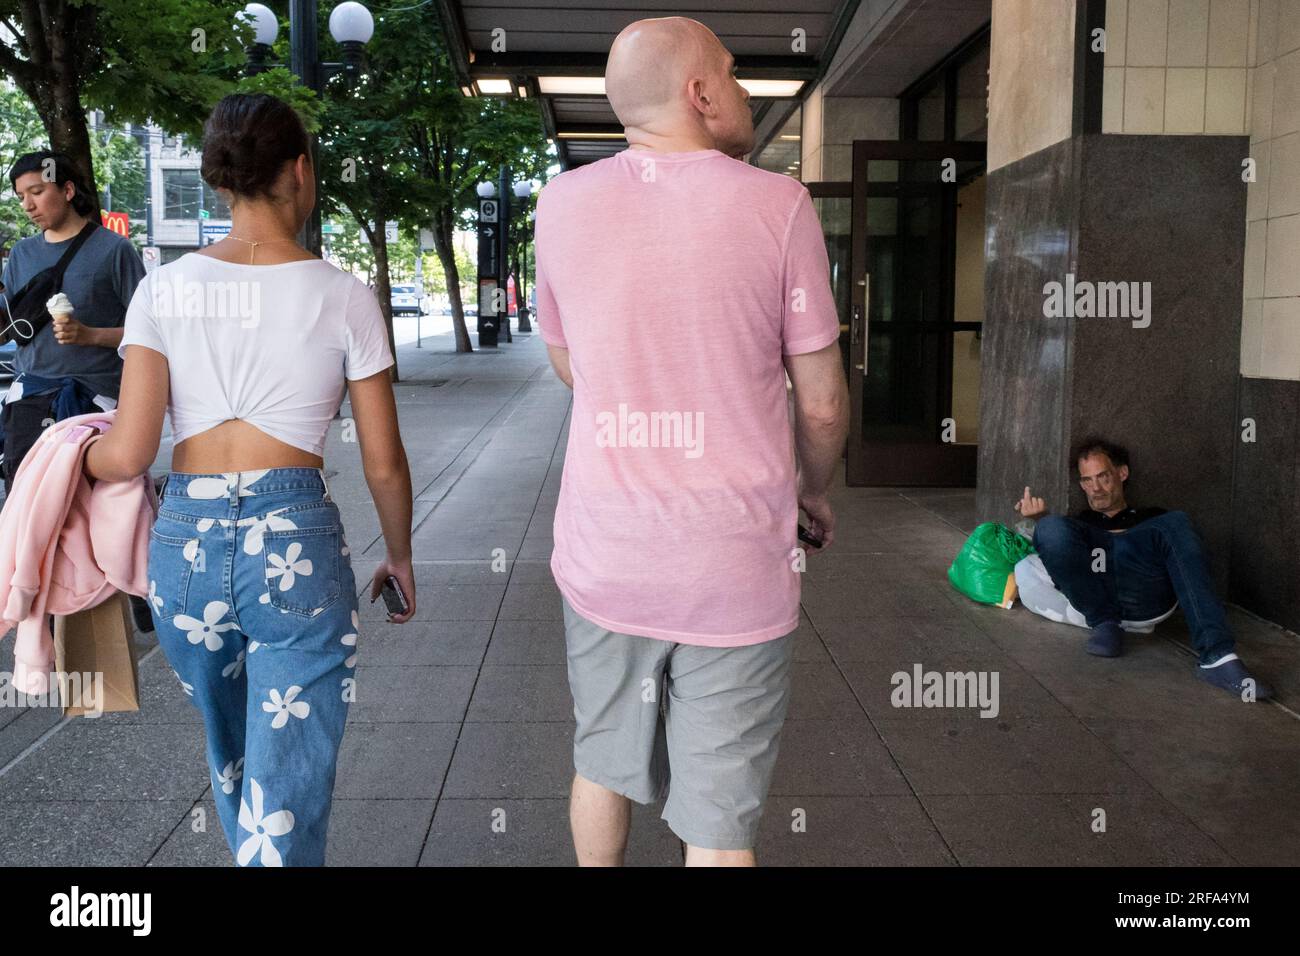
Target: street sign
[(214, 232), (426, 240), (331, 229), (486, 316), (489, 260), (487, 249), (390, 230), (152, 257)]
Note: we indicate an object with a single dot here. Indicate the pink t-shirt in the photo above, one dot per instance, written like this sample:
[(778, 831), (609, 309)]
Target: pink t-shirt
[(677, 281)]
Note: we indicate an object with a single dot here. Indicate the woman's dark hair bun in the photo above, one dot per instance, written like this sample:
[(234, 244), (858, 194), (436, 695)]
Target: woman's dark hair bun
[(248, 139)]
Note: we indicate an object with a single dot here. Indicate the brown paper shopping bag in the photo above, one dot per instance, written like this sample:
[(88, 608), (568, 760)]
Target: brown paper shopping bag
[(94, 657)]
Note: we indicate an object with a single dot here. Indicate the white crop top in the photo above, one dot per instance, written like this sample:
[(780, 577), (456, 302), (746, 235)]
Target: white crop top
[(271, 345)]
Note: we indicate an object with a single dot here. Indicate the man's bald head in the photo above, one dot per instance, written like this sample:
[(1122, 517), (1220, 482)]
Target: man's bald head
[(669, 80), (651, 62)]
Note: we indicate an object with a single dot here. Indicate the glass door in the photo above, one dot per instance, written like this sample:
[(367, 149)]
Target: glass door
[(903, 326), (834, 204)]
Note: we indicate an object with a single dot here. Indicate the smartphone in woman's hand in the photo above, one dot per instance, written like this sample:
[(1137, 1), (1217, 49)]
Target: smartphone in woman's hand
[(394, 598)]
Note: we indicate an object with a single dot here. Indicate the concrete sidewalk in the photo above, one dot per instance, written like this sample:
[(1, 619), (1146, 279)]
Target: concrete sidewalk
[(463, 718)]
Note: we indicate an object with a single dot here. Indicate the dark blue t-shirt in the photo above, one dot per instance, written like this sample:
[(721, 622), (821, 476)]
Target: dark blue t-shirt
[(1130, 517), (99, 281)]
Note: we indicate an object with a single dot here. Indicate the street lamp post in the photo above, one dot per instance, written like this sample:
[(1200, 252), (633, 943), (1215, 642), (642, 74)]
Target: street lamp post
[(503, 253), (146, 140), (351, 26)]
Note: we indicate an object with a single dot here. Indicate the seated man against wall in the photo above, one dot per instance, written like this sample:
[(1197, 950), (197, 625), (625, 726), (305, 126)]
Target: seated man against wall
[(1116, 562)]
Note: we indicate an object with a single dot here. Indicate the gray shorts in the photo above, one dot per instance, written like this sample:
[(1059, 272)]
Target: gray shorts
[(711, 715)]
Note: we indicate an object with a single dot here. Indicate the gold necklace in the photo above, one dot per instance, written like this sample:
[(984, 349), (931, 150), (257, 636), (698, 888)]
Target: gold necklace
[(261, 242)]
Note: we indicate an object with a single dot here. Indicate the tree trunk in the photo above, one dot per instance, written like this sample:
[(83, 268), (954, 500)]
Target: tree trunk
[(50, 79), (384, 290), (443, 245), (68, 135), (378, 239)]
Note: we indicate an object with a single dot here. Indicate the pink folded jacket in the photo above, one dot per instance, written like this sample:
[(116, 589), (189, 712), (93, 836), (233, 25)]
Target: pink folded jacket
[(65, 545)]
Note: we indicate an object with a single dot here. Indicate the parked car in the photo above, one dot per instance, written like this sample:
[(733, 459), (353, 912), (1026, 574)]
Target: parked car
[(405, 300)]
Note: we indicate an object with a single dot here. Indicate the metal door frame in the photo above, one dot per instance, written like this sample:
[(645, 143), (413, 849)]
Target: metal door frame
[(908, 463)]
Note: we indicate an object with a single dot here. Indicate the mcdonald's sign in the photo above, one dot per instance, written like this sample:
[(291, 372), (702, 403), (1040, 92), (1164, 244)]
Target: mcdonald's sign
[(117, 222)]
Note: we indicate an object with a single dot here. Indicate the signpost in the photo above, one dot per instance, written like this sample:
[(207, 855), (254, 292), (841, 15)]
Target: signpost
[(488, 250), (390, 230), (214, 232)]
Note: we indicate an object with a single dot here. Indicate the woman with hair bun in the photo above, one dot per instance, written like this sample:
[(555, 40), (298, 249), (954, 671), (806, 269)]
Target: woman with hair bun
[(248, 345)]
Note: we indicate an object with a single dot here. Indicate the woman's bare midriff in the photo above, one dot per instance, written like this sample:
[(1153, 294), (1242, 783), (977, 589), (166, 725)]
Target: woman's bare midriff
[(236, 445)]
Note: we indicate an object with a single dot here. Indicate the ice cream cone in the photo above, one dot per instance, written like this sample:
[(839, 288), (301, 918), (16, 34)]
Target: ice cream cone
[(59, 307)]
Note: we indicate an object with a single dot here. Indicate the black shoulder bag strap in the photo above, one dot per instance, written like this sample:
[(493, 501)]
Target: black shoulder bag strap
[(28, 303), (65, 260)]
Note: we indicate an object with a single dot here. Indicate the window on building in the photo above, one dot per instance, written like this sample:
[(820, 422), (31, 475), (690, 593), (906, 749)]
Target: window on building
[(972, 119), (784, 153), (930, 113), (184, 190), (951, 101)]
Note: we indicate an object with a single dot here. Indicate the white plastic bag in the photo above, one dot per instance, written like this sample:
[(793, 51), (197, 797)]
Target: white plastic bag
[(1039, 594)]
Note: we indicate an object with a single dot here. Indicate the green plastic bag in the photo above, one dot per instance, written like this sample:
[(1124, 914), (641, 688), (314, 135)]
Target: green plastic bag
[(984, 570)]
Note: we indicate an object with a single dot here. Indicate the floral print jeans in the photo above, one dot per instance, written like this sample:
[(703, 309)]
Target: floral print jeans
[(254, 601)]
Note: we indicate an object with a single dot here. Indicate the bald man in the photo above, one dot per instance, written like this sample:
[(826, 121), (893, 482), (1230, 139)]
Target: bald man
[(676, 288)]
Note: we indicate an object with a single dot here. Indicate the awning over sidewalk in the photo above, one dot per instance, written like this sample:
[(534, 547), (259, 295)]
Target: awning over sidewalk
[(556, 50)]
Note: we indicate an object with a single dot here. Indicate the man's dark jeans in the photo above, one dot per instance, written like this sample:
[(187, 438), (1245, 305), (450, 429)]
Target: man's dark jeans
[(1146, 568)]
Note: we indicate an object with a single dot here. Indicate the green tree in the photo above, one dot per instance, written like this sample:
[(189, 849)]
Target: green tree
[(351, 250), (361, 168), (119, 161), (404, 144), (435, 276), (459, 142), (167, 61), (21, 132)]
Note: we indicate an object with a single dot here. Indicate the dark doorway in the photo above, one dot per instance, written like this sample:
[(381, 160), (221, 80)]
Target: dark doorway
[(910, 369)]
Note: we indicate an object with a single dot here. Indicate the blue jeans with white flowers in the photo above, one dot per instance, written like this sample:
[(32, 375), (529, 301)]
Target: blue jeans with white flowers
[(254, 601)]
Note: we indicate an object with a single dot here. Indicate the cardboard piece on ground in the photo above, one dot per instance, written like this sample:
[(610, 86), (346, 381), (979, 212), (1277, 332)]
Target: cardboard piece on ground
[(98, 641)]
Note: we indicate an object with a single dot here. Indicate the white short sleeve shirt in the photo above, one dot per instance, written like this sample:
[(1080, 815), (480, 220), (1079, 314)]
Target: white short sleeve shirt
[(271, 345)]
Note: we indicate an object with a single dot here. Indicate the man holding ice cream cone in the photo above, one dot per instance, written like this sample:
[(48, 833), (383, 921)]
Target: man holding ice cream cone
[(71, 366)]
